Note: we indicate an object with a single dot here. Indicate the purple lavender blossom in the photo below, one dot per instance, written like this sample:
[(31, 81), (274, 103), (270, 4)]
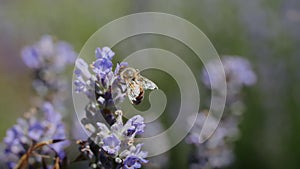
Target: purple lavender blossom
[(105, 53), (135, 158), (120, 130), (104, 78), (102, 66), (111, 144), (136, 124), (39, 125), (132, 162)]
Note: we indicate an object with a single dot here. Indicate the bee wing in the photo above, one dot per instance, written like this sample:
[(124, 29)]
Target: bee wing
[(133, 91), (147, 84)]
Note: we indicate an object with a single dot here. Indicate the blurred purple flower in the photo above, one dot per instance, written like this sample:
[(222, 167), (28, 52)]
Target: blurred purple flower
[(217, 151), (48, 59), (34, 128), (31, 58), (48, 53), (238, 72)]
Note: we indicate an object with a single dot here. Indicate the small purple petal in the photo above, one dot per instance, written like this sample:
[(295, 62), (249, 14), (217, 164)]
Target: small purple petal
[(102, 67), (31, 57), (105, 53), (111, 144)]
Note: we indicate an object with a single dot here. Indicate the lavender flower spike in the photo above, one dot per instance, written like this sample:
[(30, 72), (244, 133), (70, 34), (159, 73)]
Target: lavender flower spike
[(110, 146)]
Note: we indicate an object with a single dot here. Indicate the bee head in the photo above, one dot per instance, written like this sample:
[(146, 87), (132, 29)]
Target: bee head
[(128, 73)]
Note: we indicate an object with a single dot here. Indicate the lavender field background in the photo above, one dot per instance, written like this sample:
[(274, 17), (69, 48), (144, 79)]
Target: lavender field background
[(266, 32)]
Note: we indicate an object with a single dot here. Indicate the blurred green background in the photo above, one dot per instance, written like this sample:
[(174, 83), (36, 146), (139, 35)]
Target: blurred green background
[(267, 32)]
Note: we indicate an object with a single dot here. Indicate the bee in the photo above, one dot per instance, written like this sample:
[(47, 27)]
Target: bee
[(136, 84)]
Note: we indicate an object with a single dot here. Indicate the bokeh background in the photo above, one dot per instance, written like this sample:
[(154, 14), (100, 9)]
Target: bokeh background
[(266, 32)]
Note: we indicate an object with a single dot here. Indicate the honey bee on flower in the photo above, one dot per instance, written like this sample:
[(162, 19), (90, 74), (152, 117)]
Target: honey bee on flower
[(136, 84)]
